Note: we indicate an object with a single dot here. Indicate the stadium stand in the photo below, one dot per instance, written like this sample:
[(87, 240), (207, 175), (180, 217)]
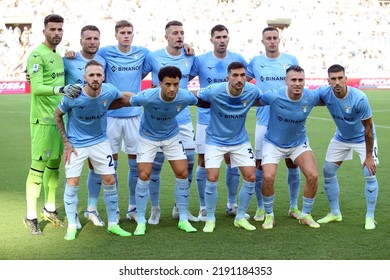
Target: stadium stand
[(354, 33)]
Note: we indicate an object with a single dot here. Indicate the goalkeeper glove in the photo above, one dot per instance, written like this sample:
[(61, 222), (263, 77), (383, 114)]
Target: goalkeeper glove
[(71, 91)]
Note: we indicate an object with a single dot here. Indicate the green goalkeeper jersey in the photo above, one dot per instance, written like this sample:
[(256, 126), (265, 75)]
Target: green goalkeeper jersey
[(46, 70)]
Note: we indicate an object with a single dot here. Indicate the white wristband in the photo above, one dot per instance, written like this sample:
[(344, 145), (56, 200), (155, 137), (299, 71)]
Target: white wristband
[(57, 90)]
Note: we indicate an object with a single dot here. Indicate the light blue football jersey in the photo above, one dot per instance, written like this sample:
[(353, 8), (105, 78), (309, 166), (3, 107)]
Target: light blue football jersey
[(161, 58), (347, 113), (210, 70), (75, 68), (87, 116), (287, 121), (158, 122), (124, 70), (269, 74), (228, 113)]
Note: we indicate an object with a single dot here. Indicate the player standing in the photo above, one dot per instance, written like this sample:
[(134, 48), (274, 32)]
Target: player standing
[(211, 68), (74, 73), (269, 70), (351, 112), (229, 104), (46, 70)]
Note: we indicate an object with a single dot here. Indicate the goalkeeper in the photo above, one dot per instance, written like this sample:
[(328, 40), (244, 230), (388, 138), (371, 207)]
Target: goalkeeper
[(46, 70)]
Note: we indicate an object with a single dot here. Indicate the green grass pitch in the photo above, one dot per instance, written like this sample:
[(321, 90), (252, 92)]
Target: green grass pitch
[(288, 240)]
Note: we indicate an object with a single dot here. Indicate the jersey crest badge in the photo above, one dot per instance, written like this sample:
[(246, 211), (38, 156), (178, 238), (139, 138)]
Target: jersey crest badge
[(348, 109), (35, 68), (104, 102), (178, 108), (304, 108)]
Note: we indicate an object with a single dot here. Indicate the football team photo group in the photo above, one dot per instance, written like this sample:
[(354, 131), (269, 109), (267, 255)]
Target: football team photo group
[(83, 112)]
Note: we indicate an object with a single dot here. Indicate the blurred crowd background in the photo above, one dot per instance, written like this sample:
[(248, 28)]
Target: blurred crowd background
[(354, 33)]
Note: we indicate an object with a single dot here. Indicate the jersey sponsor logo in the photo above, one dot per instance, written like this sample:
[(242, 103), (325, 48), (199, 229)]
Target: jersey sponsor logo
[(271, 79), (125, 68), (214, 81), (290, 120), (228, 116), (350, 119), (98, 117), (162, 118), (57, 75), (159, 118)]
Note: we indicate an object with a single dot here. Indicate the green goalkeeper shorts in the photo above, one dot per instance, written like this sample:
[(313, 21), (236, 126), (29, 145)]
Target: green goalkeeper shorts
[(46, 142)]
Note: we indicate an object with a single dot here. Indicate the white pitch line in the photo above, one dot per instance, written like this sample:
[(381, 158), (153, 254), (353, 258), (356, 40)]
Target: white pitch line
[(317, 118), (382, 126), (325, 119), (381, 111)]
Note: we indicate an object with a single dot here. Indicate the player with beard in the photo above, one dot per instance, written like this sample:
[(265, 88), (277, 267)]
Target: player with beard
[(46, 71), (85, 138), (74, 73)]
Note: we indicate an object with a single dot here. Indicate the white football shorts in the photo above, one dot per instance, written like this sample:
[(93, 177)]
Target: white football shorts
[(100, 156), (172, 148), (200, 138), (260, 131), (240, 155), (273, 154), (340, 151), (123, 134), (187, 136)]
